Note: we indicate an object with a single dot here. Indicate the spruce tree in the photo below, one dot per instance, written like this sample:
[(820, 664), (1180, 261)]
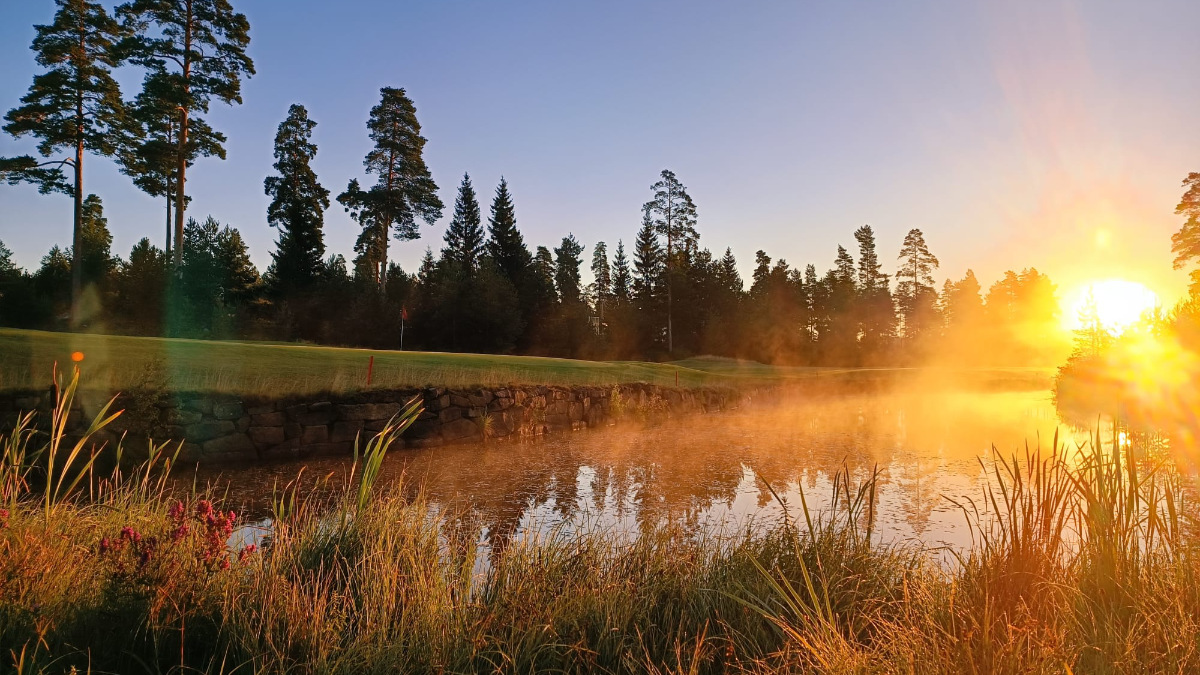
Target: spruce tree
[(730, 278), (674, 216), (404, 191), (297, 208), (567, 278), (75, 105), (196, 49), (464, 236), (96, 257), (647, 263), (602, 290), (544, 274), (505, 244), (621, 279)]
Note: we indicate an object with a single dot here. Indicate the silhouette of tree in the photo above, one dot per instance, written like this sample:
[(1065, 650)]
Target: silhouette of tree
[(404, 191), (197, 51), (297, 208), (74, 104)]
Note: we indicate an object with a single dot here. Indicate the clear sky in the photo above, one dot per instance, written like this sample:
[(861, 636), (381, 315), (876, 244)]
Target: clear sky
[(1029, 133)]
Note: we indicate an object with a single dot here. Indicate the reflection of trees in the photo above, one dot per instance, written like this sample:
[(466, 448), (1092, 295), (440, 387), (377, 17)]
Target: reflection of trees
[(680, 470)]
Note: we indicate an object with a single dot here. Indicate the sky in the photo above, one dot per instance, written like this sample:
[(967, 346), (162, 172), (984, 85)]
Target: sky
[(1045, 134)]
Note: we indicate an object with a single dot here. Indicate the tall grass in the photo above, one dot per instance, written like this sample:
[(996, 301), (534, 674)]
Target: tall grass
[(1084, 560)]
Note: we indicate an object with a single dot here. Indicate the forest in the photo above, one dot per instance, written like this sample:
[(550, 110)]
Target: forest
[(655, 293)]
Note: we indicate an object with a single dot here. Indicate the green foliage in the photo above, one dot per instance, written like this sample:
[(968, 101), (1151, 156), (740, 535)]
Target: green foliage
[(297, 208), (464, 236), (404, 191)]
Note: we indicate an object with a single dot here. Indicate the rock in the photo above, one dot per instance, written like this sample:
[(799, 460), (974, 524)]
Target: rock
[(460, 400), (426, 429), (450, 414), (314, 434), (168, 432), (203, 431), (227, 410), (234, 444), (459, 429), (263, 409), (292, 430), (200, 405), (576, 411), (190, 453), (266, 435), (268, 419), (368, 411), (313, 414), (176, 416), (242, 423), (500, 404), (481, 399), (346, 431)]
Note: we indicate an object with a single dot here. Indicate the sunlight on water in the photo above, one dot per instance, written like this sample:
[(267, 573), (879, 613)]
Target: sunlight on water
[(708, 472)]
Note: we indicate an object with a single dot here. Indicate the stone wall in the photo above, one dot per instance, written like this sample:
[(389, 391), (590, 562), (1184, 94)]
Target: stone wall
[(216, 428)]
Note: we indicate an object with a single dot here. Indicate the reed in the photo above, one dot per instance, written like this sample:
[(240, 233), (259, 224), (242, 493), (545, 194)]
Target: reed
[(1084, 560)]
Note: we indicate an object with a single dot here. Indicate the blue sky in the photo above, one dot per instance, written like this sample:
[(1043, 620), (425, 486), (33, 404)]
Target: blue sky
[(1048, 134)]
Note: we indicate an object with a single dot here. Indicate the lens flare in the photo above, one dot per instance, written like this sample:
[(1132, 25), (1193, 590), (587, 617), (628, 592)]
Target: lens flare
[(76, 356), (1116, 303)]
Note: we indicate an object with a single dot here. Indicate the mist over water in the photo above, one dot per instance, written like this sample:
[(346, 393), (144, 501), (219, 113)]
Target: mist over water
[(707, 472)]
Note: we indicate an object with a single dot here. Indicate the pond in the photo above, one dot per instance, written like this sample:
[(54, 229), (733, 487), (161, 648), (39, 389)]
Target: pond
[(708, 472)]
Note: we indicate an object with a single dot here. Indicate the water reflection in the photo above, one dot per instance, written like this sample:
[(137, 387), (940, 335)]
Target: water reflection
[(707, 472)]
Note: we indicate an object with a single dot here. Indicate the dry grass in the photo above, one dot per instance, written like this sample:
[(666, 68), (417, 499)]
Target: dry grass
[(1083, 562)]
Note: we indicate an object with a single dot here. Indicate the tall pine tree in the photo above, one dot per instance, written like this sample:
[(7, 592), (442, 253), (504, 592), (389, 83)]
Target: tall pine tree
[(196, 49), (914, 286), (404, 191), (297, 208), (674, 217), (567, 278), (75, 105)]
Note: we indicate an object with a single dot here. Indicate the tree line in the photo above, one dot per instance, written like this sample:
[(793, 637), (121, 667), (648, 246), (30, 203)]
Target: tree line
[(485, 290)]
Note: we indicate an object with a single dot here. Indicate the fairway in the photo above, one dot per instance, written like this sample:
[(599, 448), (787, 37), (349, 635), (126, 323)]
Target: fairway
[(120, 363)]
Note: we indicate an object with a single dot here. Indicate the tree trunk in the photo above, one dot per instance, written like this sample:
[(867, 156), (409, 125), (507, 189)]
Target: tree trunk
[(77, 238), (181, 168), (169, 223)]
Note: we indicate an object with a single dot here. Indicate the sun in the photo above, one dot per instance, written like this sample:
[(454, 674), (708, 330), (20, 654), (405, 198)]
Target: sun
[(1119, 303)]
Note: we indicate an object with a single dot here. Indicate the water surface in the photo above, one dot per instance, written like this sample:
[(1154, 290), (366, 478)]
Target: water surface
[(709, 471)]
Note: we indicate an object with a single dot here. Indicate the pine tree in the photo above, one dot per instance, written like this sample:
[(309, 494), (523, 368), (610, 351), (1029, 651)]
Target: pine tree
[(404, 191), (602, 290), (621, 279), (505, 244), (915, 282), (197, 50), (567, 278), (674, 217), (464, 236), (149, 143), (75, 104), (1185, 243), (876, 311), (297, 208)]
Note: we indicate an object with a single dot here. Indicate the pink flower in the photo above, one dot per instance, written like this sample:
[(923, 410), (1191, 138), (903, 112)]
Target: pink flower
[(177, 511)]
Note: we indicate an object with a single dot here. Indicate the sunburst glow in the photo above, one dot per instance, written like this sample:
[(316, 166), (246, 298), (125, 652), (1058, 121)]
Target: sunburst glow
[(1119, 303)]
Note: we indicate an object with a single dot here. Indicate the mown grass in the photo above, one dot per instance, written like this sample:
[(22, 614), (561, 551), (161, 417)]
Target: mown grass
[(119, 363), (1084, 562)]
